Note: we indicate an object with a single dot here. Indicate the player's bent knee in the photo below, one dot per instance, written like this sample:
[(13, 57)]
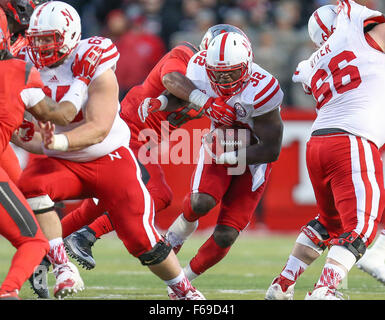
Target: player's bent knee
[(225, 236), (41, 204), (351, 241), (314, 235), (156, 255), (202, 203)]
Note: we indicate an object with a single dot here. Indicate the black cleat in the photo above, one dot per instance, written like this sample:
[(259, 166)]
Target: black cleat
[(39, 279), (78, 246)]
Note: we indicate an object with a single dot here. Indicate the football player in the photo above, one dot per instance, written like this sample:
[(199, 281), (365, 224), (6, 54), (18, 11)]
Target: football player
[(90, 156), (346, 78), (226, 71)]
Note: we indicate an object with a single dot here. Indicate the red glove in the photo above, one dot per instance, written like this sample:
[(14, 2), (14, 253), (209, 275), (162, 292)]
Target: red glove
[(219, 111), (85, 68), (26, 130), (149, 105)]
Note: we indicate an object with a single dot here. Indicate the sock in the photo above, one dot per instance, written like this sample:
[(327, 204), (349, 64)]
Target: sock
[(293, 268), (85, 214), (102, 225), (208, 255), (191, 275), (57, 253), (180, 285), (331, 275), (379, 243)]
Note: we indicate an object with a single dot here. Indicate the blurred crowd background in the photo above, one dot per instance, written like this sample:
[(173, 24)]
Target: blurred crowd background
[(144, 30)]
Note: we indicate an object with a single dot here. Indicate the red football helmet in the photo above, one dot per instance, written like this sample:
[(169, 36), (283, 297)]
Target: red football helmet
[(20, 10)]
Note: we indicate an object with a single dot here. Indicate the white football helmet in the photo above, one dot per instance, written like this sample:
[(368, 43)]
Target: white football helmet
[(228, 52), (57, 21), (322, 24), (213, 31)]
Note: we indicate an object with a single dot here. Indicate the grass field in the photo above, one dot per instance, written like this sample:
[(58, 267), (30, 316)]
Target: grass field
[(244, 274)]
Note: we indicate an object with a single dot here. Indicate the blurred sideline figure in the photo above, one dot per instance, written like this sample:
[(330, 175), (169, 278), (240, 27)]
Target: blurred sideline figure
[(343, 158)]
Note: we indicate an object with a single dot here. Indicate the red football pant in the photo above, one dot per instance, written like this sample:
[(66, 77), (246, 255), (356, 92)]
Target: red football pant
[(237, 204), (347, 177), (114, 179), (89, 211), (10, 163), (19, 226)]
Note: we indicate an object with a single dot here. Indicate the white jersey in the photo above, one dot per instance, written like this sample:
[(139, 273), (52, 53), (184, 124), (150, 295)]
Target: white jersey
[(347, 77), (262, 95), (57, 82)]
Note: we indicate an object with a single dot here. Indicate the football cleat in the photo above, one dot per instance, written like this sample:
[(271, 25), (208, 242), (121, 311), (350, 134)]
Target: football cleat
[(280, 289), (78, 246), (192, 294), (179, 231), (68, 280), (324, 293), (373, 265), (9, 295), (39, 279)]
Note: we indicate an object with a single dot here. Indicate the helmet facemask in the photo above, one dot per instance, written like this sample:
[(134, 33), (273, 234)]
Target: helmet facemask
[(228, 63), (238, 73), (46, 47)]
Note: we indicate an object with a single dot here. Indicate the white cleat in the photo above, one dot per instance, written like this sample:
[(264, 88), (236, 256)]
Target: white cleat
[(192, 294), (279, 290), (179, 231), (324, 293), (68, 280), (373, 265)]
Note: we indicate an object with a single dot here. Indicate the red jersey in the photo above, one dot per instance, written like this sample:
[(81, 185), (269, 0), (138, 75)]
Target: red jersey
[(15, 76), (175, 60)]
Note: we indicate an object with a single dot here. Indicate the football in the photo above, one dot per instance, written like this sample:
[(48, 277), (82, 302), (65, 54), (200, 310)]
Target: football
[(227, 139)]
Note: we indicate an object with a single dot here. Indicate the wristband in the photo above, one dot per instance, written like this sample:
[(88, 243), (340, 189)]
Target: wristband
[(198, 98), (60, 142), (76, 94)]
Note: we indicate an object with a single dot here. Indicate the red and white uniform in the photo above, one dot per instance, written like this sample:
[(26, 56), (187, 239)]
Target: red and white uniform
[(262, 95), (347, 79), (107, 170)]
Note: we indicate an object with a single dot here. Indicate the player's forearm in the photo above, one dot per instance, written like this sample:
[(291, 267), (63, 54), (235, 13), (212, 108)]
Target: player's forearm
[(178, 85), (86, 135), (262, 152), (48, 110)]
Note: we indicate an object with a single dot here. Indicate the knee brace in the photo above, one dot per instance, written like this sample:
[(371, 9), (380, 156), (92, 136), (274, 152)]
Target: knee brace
[(41, 204), (315, 242), (156, 255), (351, 241), (225, 236)]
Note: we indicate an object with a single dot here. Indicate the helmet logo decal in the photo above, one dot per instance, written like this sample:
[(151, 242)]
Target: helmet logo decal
[(222, 49), (321, 24), (67, 15)]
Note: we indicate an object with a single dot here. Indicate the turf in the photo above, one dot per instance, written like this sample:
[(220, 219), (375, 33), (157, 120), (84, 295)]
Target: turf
[(244, 274)]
